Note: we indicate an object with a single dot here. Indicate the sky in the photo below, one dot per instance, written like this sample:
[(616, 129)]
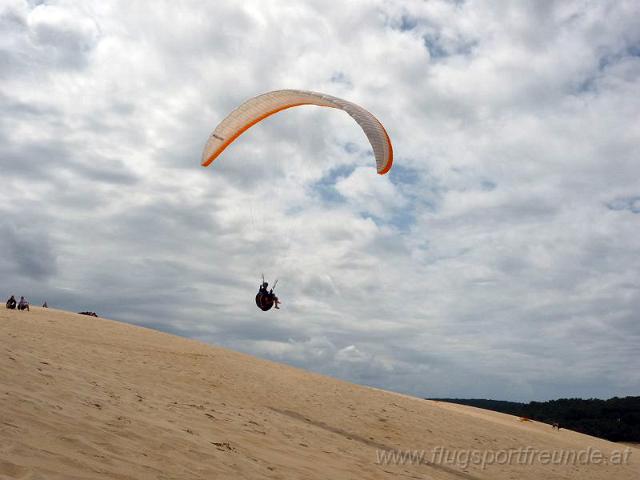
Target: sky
[(498, 259)]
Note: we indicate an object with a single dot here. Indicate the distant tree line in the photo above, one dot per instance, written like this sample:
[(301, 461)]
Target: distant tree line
[(616, 419)]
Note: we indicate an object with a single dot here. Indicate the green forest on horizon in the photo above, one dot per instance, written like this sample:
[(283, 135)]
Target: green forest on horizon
[(616, 419)]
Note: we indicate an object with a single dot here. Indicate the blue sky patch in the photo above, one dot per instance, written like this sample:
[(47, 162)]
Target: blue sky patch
[(340, 77), (634, 50), (401, 175), (488, 185), (325, 188), (408, 23), (432, 44), (625, 203)]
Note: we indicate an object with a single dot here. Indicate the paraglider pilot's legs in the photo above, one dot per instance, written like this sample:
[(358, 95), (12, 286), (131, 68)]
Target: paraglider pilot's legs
[(273, 296)]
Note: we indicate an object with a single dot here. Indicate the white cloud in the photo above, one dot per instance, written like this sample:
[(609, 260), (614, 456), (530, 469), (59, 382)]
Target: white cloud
[(497, 259), (370, 194)]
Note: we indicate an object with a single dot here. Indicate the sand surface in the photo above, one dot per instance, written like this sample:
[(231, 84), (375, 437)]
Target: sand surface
[(89, 398)]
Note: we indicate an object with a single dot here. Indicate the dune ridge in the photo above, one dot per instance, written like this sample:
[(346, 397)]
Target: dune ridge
[(84, 397)]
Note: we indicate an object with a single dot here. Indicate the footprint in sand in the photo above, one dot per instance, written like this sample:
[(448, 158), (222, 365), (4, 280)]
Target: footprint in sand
[(11, 470)]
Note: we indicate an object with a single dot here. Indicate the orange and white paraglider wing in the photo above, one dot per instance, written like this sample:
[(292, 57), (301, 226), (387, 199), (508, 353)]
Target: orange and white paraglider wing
[(258, 108)]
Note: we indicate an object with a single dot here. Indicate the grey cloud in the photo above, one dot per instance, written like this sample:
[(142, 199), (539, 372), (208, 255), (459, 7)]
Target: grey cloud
[(20, 110), (27, 250), (66, 38), (46, 36), (501, 263), (56, 161)]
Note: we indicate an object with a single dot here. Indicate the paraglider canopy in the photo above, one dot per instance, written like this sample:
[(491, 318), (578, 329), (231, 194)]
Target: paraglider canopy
[(258, 108)]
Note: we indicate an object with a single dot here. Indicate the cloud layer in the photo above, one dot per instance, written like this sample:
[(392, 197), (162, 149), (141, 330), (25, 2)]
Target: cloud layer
[(498, 259)]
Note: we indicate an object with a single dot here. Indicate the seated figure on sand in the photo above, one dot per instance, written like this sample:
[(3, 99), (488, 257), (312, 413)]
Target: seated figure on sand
[(11, 303), (23, 304)]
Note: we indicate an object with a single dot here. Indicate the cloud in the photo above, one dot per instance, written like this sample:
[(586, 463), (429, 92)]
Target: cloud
[(47, 36), (369, 194), (497, 258), (28, 252)]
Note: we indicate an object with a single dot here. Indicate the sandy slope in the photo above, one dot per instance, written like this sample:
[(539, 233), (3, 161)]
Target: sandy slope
[(90, 398)]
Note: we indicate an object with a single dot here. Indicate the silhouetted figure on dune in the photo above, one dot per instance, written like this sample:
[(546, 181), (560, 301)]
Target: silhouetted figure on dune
[(11, 303)]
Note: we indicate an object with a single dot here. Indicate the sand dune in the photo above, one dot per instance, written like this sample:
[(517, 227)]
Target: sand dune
[(89, 398)]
